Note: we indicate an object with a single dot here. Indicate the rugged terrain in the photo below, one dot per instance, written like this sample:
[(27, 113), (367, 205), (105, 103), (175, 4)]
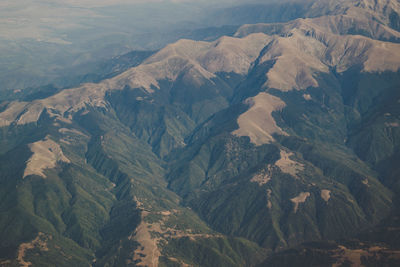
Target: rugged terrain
[(272, 147)]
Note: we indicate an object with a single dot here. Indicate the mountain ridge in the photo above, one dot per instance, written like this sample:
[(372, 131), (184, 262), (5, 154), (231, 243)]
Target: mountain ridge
[(234, 152)]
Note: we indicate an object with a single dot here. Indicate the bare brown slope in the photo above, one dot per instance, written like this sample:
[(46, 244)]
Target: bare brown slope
[(196, 61), (336, 24), (371, 18), (306, 48), (299, 56)]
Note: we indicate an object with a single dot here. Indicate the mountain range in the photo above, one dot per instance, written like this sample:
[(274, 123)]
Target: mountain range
[(275, 146)]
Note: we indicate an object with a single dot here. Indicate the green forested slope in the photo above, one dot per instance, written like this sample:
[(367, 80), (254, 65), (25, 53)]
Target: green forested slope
[(150, 167)]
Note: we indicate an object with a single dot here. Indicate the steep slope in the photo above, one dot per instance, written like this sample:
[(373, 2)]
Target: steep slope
[(296, 127), (105, 198), (183, 71), (87, 190)]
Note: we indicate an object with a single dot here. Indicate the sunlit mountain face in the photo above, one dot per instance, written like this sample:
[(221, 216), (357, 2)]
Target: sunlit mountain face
[(182, 133), (58, 42)]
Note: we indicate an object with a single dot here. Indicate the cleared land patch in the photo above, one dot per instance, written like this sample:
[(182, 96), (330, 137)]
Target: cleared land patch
[(46, 154)]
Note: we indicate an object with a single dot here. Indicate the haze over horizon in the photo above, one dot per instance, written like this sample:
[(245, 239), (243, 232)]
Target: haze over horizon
[(43, 42)]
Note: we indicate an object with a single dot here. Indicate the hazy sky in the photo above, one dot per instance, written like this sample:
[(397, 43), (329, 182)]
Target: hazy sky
[(49, 20), (40, 38), (100, 3)]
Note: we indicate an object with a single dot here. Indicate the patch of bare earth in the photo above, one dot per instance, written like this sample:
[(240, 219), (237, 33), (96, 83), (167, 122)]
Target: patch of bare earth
[(289, 166), (365, 182), (269, 203), (182, 264), (39, 242), (71, 131), (150, 235), (301, 198), (148, 252), (5, 263), (46, 154), (325, 194), (354, 256), (262, 177), (257, 122)]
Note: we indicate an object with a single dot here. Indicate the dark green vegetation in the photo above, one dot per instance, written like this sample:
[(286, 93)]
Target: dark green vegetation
[(156, 177)]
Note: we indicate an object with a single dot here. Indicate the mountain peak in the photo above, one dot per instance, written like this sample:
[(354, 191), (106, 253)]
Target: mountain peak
[(216, 153)]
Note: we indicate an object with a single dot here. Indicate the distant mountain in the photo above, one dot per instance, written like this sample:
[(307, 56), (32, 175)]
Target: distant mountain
[(381, 11), (53, 42), (277, 146)]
